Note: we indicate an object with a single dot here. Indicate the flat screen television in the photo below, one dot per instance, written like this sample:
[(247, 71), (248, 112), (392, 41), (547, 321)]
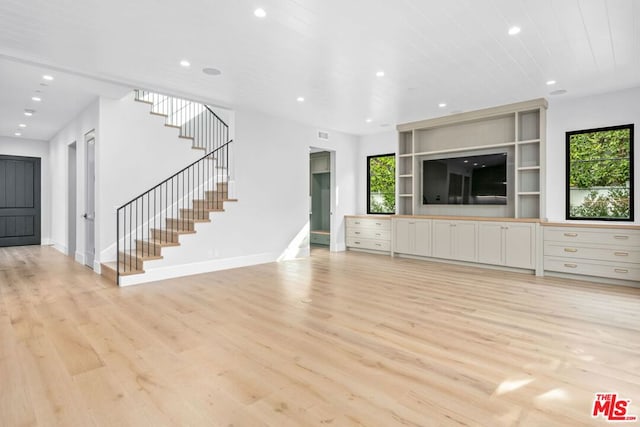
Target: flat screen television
[(466, 180)]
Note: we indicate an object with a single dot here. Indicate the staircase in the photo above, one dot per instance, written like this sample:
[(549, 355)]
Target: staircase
[(158, 217)]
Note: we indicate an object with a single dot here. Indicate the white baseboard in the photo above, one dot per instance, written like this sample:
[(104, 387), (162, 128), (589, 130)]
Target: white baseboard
[(46, 242), (79, 257), (97, 268), (152, 275), (59, 247)]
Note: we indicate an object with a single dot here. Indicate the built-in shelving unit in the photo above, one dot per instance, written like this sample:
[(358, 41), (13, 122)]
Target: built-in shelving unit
[(517, 128)]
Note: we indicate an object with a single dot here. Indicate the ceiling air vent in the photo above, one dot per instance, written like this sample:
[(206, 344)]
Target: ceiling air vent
[(323, 135)]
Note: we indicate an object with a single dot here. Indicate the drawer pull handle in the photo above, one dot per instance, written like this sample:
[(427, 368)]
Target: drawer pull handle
[(621, 237), (411, 223), (621, 270), (571, 234), (357, 243), (621, 253), (571, 265), (356, 232), (357, 222), (378, 244), (377, 234), (378, 223), (570, 250)]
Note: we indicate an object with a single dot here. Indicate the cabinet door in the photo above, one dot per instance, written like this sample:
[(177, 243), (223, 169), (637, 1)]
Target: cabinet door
[(490, 242), (464, 241), (519, 245), (442, 239), (403, 235), (423, 237)]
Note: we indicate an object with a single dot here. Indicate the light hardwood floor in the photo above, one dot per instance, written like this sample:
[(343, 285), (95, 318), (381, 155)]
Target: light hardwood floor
[(332, 340)]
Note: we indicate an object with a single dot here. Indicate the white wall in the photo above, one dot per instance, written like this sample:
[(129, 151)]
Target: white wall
[(135, 152), (563, 115), (370, 145), (271, 219), (86, 121), (34, 148)]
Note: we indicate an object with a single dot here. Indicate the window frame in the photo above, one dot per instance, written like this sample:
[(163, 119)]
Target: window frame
[(395, 183), (568, 136)]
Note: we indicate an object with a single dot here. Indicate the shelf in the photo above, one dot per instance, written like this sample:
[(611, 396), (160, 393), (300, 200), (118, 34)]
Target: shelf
[(405, 176), (528, 141), (529, 168), (405, 195), (529, 193), (457, 150)]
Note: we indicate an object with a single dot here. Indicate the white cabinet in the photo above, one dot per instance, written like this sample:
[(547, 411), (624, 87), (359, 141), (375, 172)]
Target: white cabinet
[(368, 233), (455, 240), (593, 251), (412, 236), (507, 243)]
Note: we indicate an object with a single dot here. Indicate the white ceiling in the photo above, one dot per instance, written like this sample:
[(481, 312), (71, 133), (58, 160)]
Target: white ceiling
[(328, 51)]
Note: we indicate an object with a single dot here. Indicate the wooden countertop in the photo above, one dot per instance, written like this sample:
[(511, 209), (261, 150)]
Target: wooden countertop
[(387, 217), (469, 218), (592, 225)]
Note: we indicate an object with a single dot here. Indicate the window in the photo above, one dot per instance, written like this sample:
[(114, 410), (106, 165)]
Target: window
[(600, 174), (381, 184)]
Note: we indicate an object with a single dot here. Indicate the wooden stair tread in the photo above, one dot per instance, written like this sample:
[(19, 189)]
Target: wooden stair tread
[(190, 220), (156, 242), (144, 102), (172, 230), (141, 256), (186, 137), (158, 114), (172, 126), (124, 271)]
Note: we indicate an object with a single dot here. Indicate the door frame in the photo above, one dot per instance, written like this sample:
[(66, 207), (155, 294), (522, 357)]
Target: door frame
[(89, 211)]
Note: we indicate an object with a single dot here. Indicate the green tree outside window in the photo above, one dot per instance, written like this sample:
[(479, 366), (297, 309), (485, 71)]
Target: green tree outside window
[(381, 185), (600, 177)]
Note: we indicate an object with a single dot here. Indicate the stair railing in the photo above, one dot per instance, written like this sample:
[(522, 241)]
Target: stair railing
[(158, 216), (195, 121)]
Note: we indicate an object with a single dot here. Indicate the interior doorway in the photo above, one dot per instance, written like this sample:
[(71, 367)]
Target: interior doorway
[(19, 201), (320, 197), (72, 205), (90, 208)]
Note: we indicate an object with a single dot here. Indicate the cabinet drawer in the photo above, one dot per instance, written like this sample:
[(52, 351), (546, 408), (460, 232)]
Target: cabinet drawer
[(600, 237), (604, 253), (379, 224), (593, 268), (369, 233), (320, 238), (376, 245)]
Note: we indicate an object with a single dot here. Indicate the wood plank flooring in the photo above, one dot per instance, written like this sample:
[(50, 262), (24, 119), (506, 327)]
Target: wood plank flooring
[(333, 340)]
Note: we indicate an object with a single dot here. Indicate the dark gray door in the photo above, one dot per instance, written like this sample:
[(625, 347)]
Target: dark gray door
[(19, 201)]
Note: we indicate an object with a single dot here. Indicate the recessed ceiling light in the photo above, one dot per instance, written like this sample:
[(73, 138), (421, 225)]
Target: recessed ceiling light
[(22, 125), (28, 113), (380, 73), (368, 120), (211, 71), (514, 30), (475, 164), (184, 63), (551, 82), (300, 99), (36, 98), (260, 12), (442, 105), (47, 77), (466, 161), (558, 92), (484, 166), (17, 134)]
